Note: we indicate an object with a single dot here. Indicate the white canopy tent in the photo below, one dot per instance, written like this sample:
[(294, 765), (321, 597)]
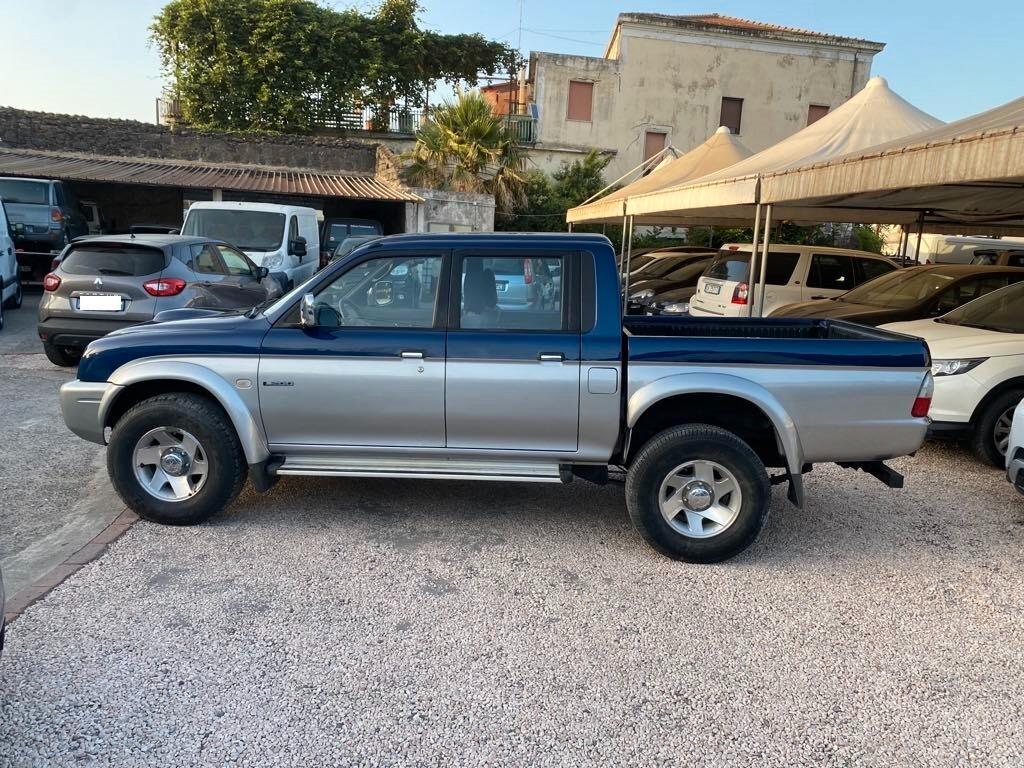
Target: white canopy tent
[(721, 150)]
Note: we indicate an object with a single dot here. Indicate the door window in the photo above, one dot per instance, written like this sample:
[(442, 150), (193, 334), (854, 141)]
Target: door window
[(206, 260), (513, 293), (872, 268), (388, 292), (831, 271), (780, 267), (235, 262), (969, 290)]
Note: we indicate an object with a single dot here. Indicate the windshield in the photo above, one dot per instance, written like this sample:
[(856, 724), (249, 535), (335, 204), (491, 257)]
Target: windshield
[(900, 289), (23, 191), (248, 230), (1001, 310)]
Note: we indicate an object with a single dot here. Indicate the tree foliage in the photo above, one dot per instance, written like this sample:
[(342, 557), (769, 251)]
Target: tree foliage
[(288, 65), (466, 147)]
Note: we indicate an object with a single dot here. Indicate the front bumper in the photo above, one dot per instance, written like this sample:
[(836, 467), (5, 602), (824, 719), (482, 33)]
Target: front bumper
[(83, 404)]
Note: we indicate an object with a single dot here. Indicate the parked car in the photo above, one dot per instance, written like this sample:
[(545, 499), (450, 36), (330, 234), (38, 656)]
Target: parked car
[(334, 231), (999, 257), (350, 243), (667, 284), (794, 273), (105, 283), (10, 281), (641, 258), (44, 216), (978, 365), (154, 229), (913, 293), (457, 388), (523, 282), (955, 249), (1015, 451), (282, 238), (93, 217)]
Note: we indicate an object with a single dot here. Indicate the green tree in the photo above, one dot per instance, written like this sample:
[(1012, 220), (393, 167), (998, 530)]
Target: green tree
[(466, 147)]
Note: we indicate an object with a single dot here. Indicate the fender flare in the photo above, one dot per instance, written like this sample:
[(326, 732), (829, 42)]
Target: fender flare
[(723, 384), (250, 433)]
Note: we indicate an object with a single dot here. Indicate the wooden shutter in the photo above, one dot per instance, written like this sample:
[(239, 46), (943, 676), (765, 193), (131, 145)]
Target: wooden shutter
[(732, 114), (581, 100), (654, 142), (815, 112)]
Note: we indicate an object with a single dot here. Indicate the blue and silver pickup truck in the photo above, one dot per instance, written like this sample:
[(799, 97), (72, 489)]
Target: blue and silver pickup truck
[(402, 361)]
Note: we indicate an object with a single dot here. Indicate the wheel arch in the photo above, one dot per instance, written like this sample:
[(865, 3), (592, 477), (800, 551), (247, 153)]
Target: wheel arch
[(1015, 382), (138, 380)]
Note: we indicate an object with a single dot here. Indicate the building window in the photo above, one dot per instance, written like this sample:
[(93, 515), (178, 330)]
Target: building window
[(581, 100), (654, 142), (815, 112), (732, 114)]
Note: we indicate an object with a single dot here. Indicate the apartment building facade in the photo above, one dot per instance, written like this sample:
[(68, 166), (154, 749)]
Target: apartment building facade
[(672, 80)]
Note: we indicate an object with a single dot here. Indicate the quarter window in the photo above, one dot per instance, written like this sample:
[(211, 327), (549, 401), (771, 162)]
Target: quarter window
[(512, 293), (389, 292), (780, 268), (831, 271)]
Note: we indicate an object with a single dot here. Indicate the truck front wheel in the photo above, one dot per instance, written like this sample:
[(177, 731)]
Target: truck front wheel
[(175, 459), (698, 493)]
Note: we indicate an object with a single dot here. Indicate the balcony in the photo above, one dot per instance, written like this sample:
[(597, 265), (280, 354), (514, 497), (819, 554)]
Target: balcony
[(401, 121), (523, 128)]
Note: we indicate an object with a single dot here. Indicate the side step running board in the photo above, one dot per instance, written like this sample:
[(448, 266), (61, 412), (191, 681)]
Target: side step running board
[(439, 469)]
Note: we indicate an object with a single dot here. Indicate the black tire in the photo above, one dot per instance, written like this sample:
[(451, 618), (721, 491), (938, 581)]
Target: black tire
[(669, 450), (983, 431), (62, 356), (16, 300), (210, 425)]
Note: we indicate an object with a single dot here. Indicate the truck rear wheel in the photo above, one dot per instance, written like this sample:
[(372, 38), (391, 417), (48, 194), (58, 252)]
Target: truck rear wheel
[(698, 493), (175, 459)]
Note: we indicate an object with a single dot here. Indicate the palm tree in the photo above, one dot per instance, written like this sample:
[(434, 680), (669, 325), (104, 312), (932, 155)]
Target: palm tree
[(467, 148)]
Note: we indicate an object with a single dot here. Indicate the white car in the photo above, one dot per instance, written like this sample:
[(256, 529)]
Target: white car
[(795, 273), (1015, 452), (978, 364)]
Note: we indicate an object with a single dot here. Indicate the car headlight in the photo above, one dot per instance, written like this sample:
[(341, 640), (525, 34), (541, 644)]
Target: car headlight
[(274, 261), (953, 367), (676, 308), (645, 295)]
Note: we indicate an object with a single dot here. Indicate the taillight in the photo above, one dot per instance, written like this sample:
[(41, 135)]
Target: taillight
[(51, 282), (527, 271), (739, 296), (923, 401), (165, 286), (56, 215)]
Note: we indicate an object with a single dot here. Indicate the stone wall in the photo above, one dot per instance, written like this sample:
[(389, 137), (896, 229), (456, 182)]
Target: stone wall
[(22, 129)]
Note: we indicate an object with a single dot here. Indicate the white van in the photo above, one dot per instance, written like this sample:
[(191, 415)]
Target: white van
[(955, 249), (282, 238), (795, 273), (10, 282)]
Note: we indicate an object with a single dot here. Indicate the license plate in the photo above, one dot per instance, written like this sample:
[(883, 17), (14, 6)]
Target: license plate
[(501, 285), (713, 289), (100, 303)]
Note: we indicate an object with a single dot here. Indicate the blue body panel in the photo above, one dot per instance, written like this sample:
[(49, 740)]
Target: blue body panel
[(354, 342), (511, 345)]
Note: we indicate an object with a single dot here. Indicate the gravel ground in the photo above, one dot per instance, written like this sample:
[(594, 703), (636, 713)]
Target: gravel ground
[(358, 622)]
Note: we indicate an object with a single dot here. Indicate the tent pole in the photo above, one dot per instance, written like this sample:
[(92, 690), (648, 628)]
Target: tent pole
[(711, 237), (753, 257), (629, 254), (763, 276), (570, 226), (920, 232), (904, 242)]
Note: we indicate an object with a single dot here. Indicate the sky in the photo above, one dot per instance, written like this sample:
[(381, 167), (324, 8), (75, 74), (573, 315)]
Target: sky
[(951, 59)]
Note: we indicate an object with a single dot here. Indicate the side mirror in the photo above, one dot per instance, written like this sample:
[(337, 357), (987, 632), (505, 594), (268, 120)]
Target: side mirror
[(297, 247), (262, 273), (307, 311)]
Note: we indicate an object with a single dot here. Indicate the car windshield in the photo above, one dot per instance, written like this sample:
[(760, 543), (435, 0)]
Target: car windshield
[(900, 289), (248, 230), (1001, 310), (24, 191)]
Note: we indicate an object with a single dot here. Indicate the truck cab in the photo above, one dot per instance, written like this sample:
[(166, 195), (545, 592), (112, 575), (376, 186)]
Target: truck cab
[(283, 238), (402, 361)]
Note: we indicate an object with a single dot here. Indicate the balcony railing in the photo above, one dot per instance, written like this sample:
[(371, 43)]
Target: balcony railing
[(397, 120), (523, 128)]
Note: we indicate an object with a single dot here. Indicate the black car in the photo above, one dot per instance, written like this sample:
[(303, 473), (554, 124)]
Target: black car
[(914, 293), (666, 284), (335, 230)]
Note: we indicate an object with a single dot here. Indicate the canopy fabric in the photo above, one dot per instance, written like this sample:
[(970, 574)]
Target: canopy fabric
[(966, 176), (874, 115), (721, 150)]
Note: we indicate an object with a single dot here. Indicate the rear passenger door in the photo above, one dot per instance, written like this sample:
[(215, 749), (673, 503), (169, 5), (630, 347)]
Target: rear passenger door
[(830, 274), (868, 269), (513, 366)]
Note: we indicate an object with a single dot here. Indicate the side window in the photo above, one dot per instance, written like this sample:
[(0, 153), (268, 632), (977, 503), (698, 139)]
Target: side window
[(206, 260), (969, 290), (388, 292), (513, 293), (780, 268), (871, 268), (235, 262), (831, 271), (58, 195), (1015, 259)]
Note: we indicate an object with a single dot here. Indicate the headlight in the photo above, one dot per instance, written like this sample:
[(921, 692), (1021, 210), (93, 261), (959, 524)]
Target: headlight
[(953, 367), (274, 261), (645, 295), (676, 308)]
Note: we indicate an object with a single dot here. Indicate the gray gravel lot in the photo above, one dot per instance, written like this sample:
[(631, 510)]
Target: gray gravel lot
[(358, 622), (53, 498)]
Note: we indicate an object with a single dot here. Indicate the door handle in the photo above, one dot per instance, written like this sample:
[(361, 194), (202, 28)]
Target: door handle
[(554, 358), (410, 355), (815, 298)]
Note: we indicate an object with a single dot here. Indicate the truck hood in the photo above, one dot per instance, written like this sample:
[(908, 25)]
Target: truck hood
[(948, 341), (195, 333)]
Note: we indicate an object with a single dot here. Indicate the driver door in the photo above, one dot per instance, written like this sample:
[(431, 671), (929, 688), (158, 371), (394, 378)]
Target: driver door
[(371, 373)]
